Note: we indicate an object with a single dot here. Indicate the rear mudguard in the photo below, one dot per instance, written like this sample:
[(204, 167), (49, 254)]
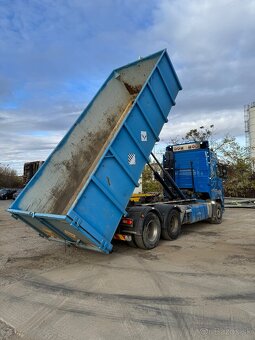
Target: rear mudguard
[(137, 214)]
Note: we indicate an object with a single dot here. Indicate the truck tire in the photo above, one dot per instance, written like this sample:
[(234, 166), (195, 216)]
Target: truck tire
[(217, 215), (150, 232), (172, 227)]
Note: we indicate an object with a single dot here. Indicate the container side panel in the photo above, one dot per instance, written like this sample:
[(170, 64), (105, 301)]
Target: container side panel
[(169, 76), (129, 154), (161, 93), (141, 131), (114, 179), (151, 109), (98, 211)]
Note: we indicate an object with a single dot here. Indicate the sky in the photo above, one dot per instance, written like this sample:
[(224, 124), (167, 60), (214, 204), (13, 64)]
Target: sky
[(55, 55)]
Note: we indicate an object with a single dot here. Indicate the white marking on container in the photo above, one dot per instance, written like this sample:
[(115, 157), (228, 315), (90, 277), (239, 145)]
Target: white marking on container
[(144, 137), (131, 159)]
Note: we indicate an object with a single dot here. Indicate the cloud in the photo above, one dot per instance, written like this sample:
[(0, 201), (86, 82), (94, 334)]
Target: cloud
[(226, 124), (56, 55), (212, 47)]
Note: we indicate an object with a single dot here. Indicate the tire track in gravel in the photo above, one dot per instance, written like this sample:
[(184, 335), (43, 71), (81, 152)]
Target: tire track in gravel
[(141, 314), (160, 291), (43, 315)]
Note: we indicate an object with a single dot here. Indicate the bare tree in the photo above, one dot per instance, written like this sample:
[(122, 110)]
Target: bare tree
[(9, 178)]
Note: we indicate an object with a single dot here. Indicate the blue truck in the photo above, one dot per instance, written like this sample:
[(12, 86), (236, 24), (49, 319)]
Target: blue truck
[(80, 195), (192, 179)]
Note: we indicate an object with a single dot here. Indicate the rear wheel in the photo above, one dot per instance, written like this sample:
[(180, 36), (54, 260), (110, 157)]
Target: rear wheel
[(150, 232), (172, 227), (217, 215)]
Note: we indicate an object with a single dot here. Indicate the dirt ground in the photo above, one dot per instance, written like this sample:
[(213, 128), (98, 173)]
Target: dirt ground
[(201, 286)]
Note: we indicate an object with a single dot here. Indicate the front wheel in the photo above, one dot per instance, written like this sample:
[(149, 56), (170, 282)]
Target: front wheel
[(217, 215), (150, 232)]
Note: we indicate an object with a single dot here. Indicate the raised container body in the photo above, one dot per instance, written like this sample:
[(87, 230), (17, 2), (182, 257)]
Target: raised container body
[(81, 192)]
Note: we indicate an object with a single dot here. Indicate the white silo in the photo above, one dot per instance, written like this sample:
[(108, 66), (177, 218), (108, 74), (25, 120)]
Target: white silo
[(249, 117)]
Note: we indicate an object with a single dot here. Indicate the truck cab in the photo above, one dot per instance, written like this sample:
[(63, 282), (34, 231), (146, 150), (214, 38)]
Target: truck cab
[(196, 170)]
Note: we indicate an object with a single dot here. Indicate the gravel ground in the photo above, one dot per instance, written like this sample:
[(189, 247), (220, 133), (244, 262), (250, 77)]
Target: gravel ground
[(201, 286)]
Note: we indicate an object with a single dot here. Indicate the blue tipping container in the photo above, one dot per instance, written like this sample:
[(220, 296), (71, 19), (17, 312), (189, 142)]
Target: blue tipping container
[(81, 192)]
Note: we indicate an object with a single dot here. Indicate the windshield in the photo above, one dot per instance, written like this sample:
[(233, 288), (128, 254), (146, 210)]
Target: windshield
[(3, 191)]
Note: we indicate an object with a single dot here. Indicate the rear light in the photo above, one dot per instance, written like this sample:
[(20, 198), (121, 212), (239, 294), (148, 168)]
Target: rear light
[(127, 221)]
